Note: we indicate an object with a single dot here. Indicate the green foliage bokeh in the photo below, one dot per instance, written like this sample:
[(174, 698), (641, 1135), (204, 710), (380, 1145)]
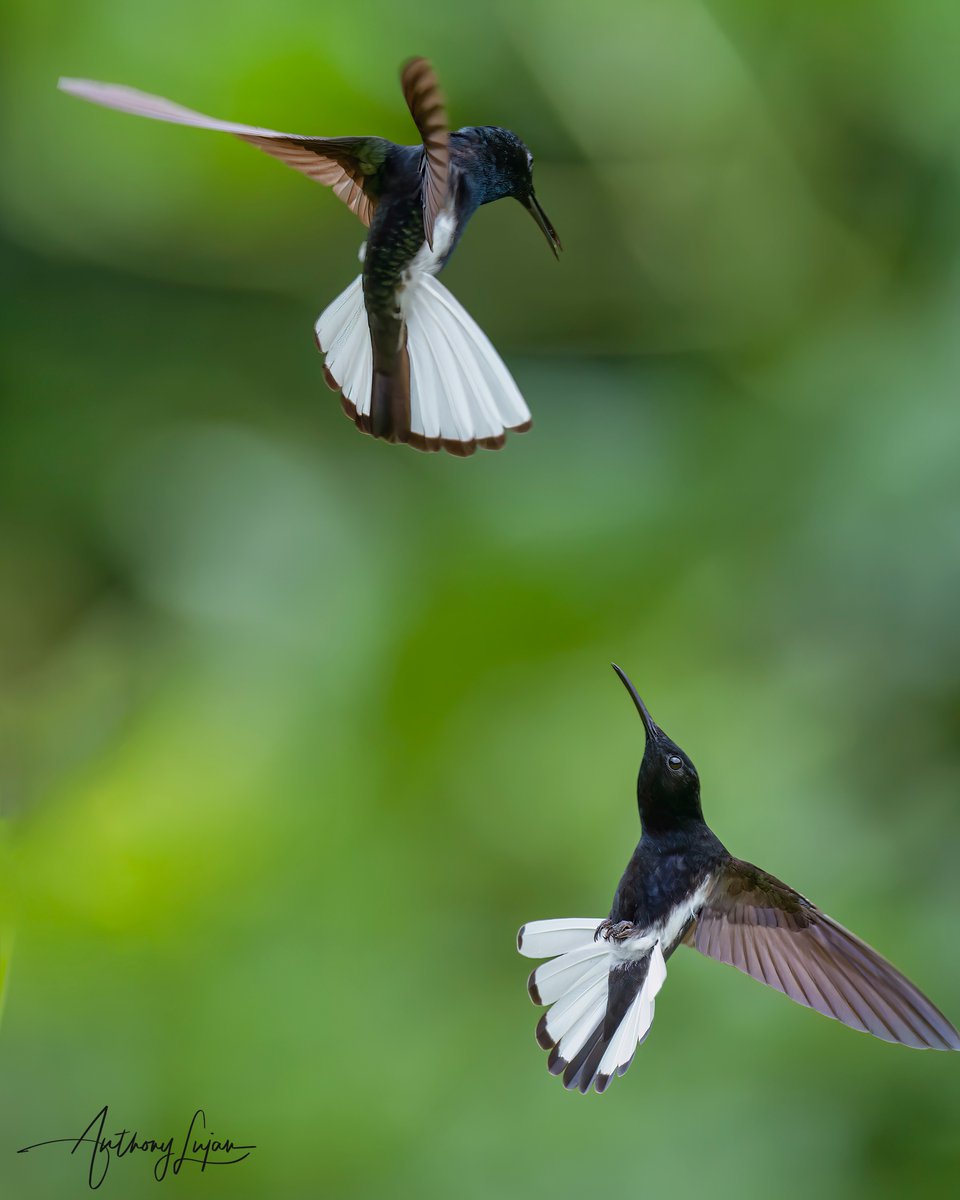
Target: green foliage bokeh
[(296, 728)]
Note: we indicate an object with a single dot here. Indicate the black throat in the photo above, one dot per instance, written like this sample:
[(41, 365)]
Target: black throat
[(666, 804)]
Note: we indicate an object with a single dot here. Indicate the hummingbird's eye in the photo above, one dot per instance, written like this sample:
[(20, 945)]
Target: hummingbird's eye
[(674, 762)]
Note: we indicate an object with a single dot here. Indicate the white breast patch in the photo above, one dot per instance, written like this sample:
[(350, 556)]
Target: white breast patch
[(427, 261), (666, 932)]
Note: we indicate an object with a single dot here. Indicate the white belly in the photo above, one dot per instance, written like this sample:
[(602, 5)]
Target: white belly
[(666, 932), (427, 260)]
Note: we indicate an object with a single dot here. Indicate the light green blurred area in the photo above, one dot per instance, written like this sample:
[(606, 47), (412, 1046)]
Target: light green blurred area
[(297, 728)]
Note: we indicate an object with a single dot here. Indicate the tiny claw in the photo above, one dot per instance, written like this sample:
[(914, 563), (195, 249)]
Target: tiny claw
[(612, 931)]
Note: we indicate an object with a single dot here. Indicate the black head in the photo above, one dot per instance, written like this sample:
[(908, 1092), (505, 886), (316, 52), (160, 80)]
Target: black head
[(668, 786), (500, 165)]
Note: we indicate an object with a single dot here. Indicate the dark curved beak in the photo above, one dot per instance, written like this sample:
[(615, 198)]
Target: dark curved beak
[(652, 729), (532, 205)]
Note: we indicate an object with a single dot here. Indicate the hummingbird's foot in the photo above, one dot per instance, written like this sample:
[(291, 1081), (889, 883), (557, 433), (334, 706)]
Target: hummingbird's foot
[(611, 931)]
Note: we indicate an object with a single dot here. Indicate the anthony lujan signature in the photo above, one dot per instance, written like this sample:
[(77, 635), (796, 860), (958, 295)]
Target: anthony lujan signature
[(169, 1154)]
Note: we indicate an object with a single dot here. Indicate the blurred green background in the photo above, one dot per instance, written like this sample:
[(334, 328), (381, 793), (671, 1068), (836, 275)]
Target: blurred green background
[(298, 728)]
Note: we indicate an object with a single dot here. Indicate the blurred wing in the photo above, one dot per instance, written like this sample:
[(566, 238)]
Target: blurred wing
[(425, 101), (350, 165), (762, 927)]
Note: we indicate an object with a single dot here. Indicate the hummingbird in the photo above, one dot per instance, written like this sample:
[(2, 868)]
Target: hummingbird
[(409, 363), (682, 887)]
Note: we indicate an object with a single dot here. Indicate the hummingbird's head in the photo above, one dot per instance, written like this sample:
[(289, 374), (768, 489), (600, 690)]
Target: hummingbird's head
[(500, 166), (668, 786)]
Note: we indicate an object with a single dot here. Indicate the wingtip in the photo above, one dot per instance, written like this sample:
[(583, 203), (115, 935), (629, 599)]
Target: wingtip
[(84, 88), (950, 1039), (415, 63), (949, 1034)]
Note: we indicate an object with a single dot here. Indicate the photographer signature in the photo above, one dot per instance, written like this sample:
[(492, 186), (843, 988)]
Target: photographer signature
[(195, 1147)]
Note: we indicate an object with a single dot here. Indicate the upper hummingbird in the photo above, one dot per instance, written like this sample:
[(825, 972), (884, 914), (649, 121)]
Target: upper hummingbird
[(682, 886), (408, 361)]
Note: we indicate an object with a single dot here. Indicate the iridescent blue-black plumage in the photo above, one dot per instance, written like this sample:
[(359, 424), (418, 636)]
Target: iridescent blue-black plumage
[(484, 164), (416, 201), (494, 164), (681, 878), (678, 851), (682, 887)]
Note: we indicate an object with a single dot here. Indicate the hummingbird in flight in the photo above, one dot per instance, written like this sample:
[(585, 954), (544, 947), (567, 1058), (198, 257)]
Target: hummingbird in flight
[(682, 887), (408, 361)]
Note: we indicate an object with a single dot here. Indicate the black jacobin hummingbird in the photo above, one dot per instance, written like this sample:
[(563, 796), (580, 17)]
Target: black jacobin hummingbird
[(408, 361), (682, 887)]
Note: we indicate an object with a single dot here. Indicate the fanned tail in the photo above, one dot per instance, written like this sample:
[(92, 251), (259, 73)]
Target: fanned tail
[(343, 335), (601, 998), (461, 395)]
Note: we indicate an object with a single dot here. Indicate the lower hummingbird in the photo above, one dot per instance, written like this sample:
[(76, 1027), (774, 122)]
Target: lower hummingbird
[(683, 888), (409, 363)]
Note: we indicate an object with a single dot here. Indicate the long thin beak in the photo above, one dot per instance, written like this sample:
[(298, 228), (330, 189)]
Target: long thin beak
[(532, 205), (652, 729)]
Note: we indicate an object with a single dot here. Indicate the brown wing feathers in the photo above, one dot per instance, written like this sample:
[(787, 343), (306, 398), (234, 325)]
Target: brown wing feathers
[(425, 101), (767, 930), (330, 161), (348, 165)]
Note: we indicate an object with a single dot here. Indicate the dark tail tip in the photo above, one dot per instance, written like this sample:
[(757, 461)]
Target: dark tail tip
[(532, 986), (544, 1040), (390, 401)]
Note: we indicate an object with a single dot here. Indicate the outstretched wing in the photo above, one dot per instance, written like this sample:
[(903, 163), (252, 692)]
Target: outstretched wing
[(349, 165), (764, 928), (425, 101)]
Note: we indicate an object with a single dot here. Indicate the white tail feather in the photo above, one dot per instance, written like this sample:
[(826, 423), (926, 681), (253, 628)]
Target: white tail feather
[(577, 985), (575, 1002), (474, 349), (573, 1041), (554, 978), (343, 335), (657, 975), (624, 1041), (638, 1019), (546, 939), (460, 390)]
